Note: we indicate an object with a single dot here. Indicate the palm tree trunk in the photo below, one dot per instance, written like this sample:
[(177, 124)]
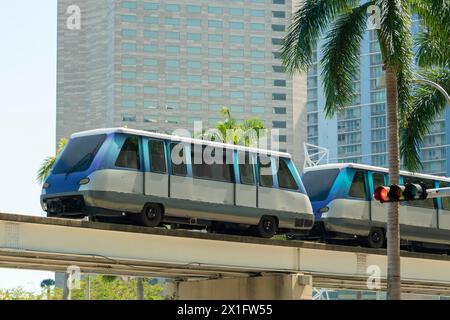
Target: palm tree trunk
[(139, 288), (393, 228)]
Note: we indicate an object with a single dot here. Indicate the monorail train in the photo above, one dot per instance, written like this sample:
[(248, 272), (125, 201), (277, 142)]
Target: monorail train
[(342, 196), (123, 172)]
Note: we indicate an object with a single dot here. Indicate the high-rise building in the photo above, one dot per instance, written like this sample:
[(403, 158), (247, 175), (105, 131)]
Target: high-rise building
[(359, 133), (161, 65)]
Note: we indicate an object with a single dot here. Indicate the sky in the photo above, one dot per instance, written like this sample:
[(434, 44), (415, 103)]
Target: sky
[(28, 111)]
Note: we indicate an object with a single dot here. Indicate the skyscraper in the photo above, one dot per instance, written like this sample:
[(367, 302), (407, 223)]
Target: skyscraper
[(161, 65), (359, 134)]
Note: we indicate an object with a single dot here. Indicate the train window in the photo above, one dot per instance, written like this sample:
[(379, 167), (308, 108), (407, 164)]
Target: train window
[(427, 203), (212, 163), (265, 171), (445, 200), (129, 154), (318, 183), (378, 180), (178, 159), (358, 187), (246, 168), (157, 156), (285, 178), (79, 154)]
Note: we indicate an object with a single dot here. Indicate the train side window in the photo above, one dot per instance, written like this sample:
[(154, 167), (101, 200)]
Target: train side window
[(178, 159), (285, 178), (378, 180), (246, 171), (265, 171), (427, 203), (212, 163), (129, 154), (358, 187), (157, 156), (445, 200)]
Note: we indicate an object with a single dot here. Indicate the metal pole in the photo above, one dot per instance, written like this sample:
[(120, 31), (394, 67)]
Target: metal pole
[(435, 85), (88, 287), (438, 193)]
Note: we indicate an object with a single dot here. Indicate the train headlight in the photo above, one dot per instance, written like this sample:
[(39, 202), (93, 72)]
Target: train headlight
[(46, 186), (324, 210), (84, 181)]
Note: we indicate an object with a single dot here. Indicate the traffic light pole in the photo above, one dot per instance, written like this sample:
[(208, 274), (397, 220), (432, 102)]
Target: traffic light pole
[(438, 193)]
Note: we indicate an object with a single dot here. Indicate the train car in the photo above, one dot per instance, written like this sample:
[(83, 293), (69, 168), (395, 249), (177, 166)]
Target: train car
[(155, 178), (342, 196)]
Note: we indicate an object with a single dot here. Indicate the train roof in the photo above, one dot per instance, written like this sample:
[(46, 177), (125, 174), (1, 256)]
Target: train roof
[(180, 139), (373, 168)]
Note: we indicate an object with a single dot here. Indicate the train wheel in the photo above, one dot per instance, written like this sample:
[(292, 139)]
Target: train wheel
[(267, 227), (376, 238), (151, 216)]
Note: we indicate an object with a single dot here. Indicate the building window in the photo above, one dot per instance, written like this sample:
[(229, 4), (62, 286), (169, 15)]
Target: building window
[(258, 82), (215, 52), (129, 4), (194, 92), (150, 76), (236, 53), (279, 97), (151, 90), (172, 7), (278, 69), (129, 61), (172, 21), (278, 14), (150, 48), (215, 10), (237, 95), (151, 34), (236, 67), (215, 79), (215, 37), (194, 50), (237, 81), (258, 40), (129, 104), (194, 36), (128, 75), (236, 11), (279, 83), (194, 9), (129, 33), (278, 110), (237, 39), (279, 124), (215, 66), (194, 23), (151, 20), (128, 118), (236, 25), (278, 27), (257, 26), (258, 54), (258, 95), (258, 68), (129, 18), (215, 24), (151, 6), (173, 35), (277, 42), (257, 13), (279, 1)]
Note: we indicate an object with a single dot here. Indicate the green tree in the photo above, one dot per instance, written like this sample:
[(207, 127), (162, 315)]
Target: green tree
[(230, 131), (433, 58), (114, 288), (344, 23), (47, 286), (47, 165), (19, 294)]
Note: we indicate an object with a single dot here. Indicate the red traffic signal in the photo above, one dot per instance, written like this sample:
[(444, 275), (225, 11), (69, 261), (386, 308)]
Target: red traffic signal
[(382, 194)]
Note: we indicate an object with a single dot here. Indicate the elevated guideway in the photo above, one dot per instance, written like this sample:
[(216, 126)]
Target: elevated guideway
[(55, 244)]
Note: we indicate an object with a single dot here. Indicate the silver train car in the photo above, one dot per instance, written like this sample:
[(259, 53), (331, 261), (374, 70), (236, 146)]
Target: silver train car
[(155, 178), (342, 196)]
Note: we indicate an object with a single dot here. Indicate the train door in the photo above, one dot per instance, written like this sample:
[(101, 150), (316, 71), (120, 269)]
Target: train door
[(246, 190), (359, 206), (378, 210), (444, 211), (180, 179), (156, 177), (419, 213), (266, 186)]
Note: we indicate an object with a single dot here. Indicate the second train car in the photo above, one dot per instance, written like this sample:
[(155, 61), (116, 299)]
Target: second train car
[(342, 196)]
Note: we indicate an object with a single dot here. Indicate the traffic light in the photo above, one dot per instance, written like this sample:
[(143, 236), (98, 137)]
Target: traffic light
[(396, 193), (414, 191)]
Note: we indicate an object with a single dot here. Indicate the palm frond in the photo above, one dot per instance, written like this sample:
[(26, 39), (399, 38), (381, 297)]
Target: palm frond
[(428, 103), (340, 61), (432, 50), (305, 28), (395, 35), (48, 163)]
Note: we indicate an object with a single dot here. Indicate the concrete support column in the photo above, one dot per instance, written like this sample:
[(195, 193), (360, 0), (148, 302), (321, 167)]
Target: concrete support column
[(267, 287)]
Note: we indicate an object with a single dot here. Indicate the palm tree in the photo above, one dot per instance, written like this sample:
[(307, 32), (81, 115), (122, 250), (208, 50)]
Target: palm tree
[(230, 131), (343, 23), (47, 285), (433, 57), (47, 165)]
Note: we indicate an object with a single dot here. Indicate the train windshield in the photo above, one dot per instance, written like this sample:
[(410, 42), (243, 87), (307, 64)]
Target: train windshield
[(318, 183), (79, 154)]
